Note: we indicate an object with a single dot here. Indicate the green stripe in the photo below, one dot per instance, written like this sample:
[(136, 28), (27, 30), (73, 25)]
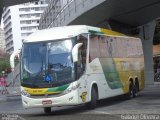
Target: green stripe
[(95, 32), (111, 73), (58, 89)]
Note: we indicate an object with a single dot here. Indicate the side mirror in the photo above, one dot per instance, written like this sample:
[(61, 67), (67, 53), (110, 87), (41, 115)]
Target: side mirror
[(12, 58), (75, 51)]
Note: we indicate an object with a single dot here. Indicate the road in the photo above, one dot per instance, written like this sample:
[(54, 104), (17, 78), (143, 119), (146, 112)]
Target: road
[(147, 103)]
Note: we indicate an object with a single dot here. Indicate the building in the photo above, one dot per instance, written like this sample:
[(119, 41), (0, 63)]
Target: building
[(20, 21), (2, 40), (51, 12)]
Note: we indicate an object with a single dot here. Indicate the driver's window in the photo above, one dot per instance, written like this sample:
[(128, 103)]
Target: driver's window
[(82, 52)]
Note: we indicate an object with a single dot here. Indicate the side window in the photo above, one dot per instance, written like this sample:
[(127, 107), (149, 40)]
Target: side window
[(116, 47), (99, 47), (106, 47), (94, 49), (82, 54)]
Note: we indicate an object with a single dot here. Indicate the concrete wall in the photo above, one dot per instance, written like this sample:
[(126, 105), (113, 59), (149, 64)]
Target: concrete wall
[(146, 34)]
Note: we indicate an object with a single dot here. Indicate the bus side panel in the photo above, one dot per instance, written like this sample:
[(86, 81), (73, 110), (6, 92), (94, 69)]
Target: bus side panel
[(128, 57), (120, 58), (130, 68), (107, 82), (111, 73)]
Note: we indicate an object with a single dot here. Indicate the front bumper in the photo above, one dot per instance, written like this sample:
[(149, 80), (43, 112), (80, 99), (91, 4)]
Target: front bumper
[(64, 100)]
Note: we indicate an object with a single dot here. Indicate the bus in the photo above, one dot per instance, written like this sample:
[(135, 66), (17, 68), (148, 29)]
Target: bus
[(79, 64)]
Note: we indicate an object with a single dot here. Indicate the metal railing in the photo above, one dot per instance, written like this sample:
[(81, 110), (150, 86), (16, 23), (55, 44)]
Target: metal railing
[(67, 13), (13, 82), (68, 10)]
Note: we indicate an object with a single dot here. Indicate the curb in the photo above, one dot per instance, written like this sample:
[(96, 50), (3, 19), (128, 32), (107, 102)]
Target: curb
[(3, 99)]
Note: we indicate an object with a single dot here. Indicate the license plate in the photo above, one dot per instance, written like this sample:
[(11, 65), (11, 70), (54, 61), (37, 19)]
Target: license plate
[(47, 102)]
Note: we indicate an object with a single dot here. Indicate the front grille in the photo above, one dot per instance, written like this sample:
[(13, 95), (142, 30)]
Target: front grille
[(46, 96)]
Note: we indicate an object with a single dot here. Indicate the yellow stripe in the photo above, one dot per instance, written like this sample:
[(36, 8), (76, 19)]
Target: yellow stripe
[(124, 75), (109, 32), (39, 91)]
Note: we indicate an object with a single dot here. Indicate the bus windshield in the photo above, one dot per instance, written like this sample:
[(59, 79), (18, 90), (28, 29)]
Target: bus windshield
[(47, 64)]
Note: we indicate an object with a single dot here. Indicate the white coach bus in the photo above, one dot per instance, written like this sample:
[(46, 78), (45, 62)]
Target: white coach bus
[(79, 64)]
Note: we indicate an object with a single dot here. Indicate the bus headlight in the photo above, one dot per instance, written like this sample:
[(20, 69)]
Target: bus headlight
[(25, 93)]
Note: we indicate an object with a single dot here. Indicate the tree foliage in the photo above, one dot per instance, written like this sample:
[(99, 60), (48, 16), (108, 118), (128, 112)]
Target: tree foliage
[(4, 65), (4, 62)]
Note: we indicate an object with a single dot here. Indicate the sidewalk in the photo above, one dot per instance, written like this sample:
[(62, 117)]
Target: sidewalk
[(4, 98), (13, 94)]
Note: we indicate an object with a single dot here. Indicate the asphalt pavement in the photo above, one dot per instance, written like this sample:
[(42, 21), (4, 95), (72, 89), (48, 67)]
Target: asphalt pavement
[(146, 106)]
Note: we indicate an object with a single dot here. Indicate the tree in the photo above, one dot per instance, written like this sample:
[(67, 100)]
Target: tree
[(4, 65), (4, 62)]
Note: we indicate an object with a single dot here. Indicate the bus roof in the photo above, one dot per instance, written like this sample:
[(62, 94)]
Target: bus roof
[(67, 32)]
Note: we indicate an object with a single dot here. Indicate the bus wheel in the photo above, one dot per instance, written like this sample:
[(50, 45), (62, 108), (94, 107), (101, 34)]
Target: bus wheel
[(130, 94), (94, 96), (47, 109)]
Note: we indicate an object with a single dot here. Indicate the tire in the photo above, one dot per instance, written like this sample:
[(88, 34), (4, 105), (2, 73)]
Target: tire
[(157, 78), (130, 94), (135, 91), (94, 96), (47, 110), (136, 88)]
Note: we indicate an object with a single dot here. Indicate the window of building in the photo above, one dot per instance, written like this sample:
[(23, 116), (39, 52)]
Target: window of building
[(36, 3), (25, 15), (26, 22), (29, 28), (37, 9), (25, 34), (21, 9)]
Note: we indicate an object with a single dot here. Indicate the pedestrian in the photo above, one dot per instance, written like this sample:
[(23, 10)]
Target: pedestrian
[(3, 85), (1, 88), (157, 74)]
